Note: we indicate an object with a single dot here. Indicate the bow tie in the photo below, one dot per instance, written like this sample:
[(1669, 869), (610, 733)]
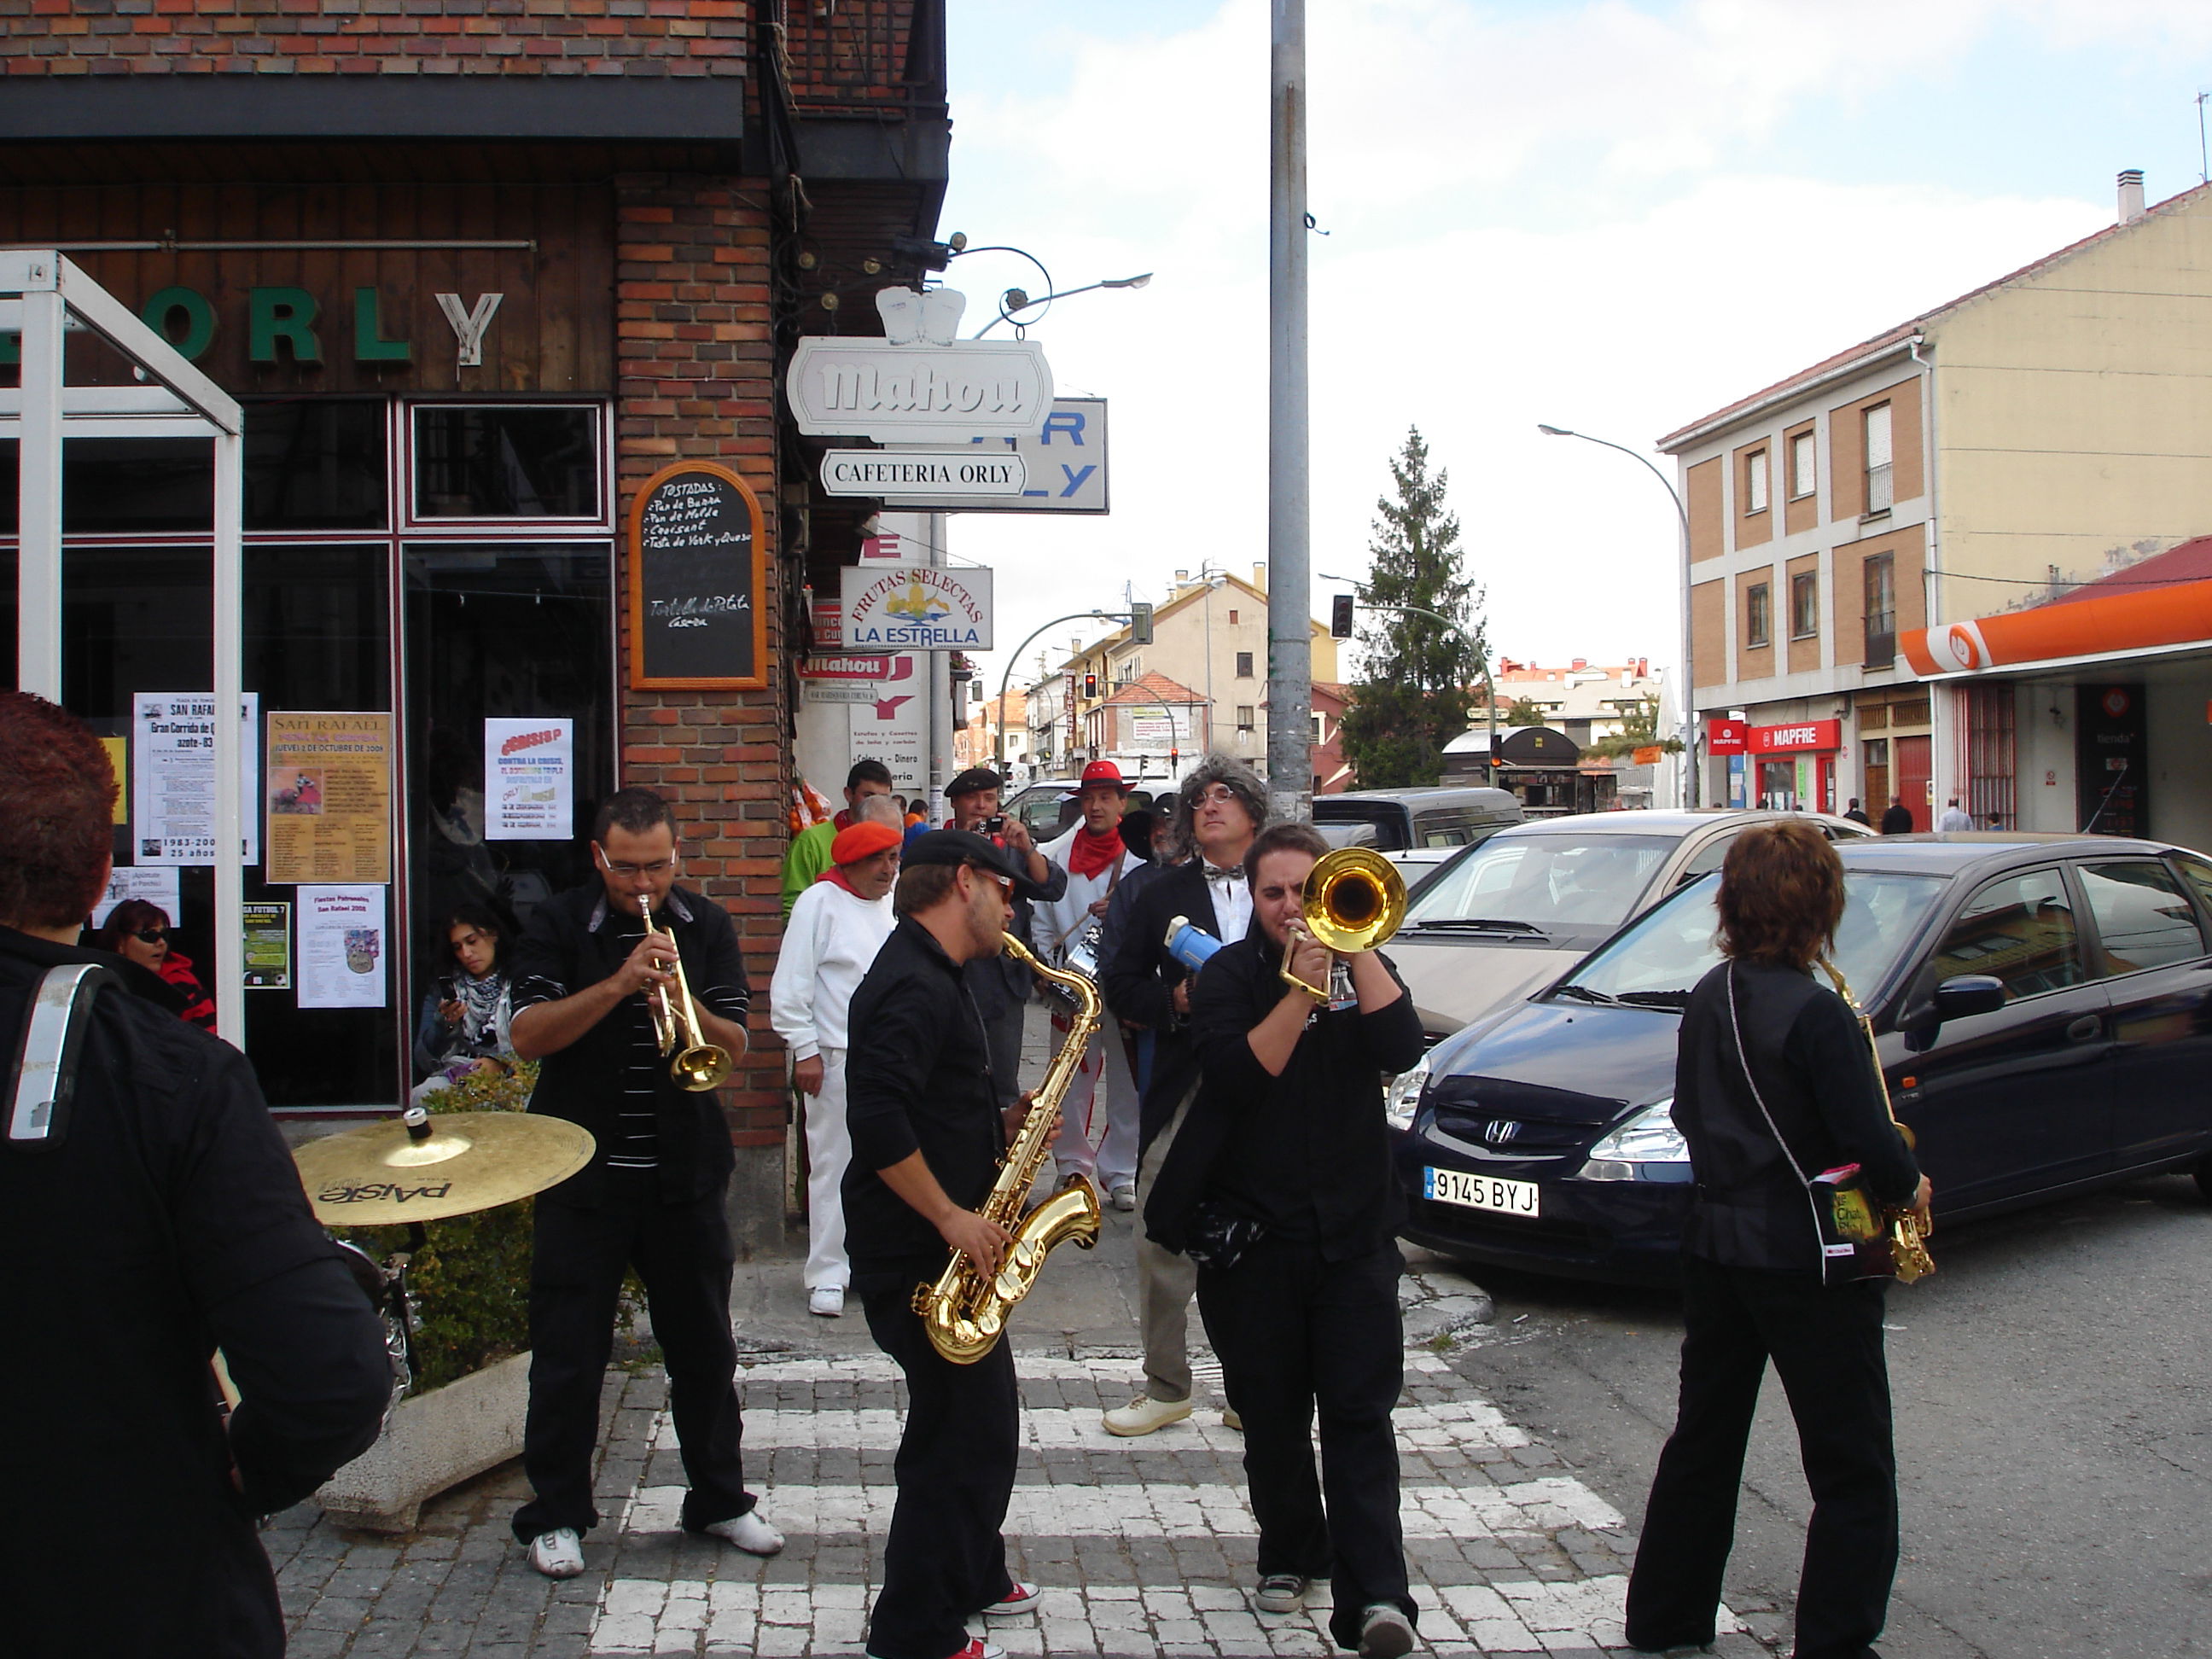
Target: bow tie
[(1216, 872)]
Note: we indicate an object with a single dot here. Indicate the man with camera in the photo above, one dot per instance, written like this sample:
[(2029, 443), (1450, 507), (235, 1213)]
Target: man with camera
[(150, 1217)]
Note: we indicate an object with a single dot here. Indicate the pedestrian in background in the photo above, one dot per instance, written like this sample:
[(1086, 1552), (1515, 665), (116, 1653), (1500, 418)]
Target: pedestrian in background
[(1774, 1077), (159, 1218), (138, 930), (1897, 820), (1857, 813), (834, 933), (810, 854), (1001, 985), (1955, 818)]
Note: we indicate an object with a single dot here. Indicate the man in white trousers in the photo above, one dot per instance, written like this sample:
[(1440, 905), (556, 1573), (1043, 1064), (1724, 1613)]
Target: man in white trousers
[(1098, 1134), (837, 926)]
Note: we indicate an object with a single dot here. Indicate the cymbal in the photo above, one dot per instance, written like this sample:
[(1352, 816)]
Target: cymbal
[(382, 1175)]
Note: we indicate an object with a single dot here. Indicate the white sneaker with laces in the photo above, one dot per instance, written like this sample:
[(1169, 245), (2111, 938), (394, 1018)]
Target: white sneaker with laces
[(1125, 1198), (1384, 1632), (748, 1531), (826, 1301), (1023, 1598), (1143, 1414), (558, 1553)]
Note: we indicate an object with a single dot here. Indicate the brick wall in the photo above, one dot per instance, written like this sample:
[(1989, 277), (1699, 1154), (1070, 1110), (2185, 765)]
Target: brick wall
[(696, 373), (376, 37)]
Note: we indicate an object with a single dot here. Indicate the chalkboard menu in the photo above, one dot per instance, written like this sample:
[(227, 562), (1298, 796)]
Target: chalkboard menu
[(696, 604)]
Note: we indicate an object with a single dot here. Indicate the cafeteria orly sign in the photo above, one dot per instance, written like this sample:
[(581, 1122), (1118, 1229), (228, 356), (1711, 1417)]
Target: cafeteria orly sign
[(1790, 739)]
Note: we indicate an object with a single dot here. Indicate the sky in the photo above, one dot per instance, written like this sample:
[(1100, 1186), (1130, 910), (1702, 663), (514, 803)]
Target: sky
[(1613, 216)]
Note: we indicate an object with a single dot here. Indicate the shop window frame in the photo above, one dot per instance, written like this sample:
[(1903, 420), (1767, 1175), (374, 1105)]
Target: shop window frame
[(411, 521)]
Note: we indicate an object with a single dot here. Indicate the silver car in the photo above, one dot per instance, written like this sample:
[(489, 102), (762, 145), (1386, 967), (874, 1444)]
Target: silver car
[(1506, 918)]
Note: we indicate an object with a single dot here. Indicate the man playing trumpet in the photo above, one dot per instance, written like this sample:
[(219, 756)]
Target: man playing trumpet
[(1278, 1185), (597, 986)]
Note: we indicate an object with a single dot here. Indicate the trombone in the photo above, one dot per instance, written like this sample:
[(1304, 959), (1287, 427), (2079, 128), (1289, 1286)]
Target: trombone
[(698, 1064), (1354, 900)]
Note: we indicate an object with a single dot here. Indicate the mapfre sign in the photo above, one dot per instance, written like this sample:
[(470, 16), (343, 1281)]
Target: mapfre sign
[(922, 607)]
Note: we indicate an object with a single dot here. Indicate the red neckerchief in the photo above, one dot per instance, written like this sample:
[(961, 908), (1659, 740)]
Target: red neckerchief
[(1088, 854), (835, 876)]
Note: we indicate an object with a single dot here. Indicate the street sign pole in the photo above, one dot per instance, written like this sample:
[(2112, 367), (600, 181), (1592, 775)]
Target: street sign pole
[(1290, 624)]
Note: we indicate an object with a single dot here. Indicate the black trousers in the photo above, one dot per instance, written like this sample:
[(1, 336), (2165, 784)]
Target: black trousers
[(683, 1254), (1826, 1344), (945, 1559), (1296, 1333)]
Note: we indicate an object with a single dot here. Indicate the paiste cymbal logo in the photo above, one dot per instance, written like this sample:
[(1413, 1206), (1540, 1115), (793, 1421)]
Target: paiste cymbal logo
[(376, 1192)]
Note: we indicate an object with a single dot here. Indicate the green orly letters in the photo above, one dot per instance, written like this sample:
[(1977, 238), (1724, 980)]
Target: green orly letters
[(281, 314)]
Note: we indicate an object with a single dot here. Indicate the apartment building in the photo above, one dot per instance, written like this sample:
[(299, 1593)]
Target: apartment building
[(2045, 432)]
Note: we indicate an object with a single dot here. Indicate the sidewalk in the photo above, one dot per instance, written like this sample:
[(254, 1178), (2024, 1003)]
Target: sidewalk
[(1143, 1546)]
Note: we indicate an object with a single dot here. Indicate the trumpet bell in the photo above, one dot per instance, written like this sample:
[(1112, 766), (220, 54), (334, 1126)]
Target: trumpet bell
[(700, 1067), (1354, 899)]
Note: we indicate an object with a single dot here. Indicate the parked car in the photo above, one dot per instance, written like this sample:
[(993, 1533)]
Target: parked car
[(1398, 821), (1542, 1137), (1517, 910)]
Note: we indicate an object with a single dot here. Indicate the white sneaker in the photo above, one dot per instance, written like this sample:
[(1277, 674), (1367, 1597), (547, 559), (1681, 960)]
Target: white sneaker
[(558, 1553), (826, 1302), (1384, 1632), (749, 1532), (1125, 1198), (1143, 1414)]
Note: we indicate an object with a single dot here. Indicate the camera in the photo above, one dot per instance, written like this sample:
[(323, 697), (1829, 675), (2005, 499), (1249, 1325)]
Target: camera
[(993, 826)]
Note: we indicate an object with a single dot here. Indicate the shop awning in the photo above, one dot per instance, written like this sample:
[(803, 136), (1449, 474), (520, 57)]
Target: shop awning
[(2160, 606)]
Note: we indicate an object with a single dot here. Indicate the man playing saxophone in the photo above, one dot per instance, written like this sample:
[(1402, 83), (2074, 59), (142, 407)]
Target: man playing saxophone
[(927, 1131)]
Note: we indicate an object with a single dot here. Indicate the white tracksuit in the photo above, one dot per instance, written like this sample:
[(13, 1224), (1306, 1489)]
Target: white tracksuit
[(1097, 1138), (830, 941)]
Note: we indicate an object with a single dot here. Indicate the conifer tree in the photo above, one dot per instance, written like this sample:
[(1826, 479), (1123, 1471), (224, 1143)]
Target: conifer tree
[(1413, 694)]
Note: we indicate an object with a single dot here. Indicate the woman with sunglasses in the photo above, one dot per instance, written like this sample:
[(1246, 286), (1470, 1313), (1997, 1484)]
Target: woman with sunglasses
[(137, 930)]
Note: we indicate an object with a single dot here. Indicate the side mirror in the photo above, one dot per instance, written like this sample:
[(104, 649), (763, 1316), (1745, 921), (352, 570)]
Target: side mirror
[(1963, 994)]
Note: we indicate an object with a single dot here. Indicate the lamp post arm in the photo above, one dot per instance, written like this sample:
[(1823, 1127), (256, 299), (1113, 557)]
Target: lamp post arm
[(999, 734)]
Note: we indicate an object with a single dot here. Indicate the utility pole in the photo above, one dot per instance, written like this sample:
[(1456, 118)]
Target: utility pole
[(1289, 625)]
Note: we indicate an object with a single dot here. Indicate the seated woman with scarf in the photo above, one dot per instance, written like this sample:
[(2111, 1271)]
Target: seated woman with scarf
[(464, 1027)]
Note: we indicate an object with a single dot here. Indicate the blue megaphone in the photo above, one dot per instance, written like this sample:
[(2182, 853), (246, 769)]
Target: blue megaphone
[(1192, 946)]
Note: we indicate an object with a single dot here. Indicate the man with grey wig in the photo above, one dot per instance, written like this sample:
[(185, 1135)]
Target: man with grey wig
[(1220, 808)]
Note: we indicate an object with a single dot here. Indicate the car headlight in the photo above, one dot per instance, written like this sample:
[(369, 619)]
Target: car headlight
[(1401, 1098), (1650, 1137)]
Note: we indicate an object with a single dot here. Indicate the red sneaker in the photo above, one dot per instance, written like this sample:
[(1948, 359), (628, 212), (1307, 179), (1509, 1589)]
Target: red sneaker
[(1023, 1598)]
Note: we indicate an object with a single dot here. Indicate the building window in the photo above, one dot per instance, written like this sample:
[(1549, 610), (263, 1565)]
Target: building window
[(1758, 623), (1232, 619), (1879, 490), (1321, 731), (1881, 610), (1243, 717), (507, 461), (1991, 798), (1800, 466), (1804, 605), (1754, 482), (1244, 665)]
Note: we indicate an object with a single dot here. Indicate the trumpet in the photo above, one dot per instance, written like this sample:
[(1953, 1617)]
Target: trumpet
[(1354, 900), (698, 1064)]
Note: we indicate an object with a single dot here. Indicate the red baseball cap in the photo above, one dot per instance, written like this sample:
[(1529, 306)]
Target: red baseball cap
[(1102, 771)]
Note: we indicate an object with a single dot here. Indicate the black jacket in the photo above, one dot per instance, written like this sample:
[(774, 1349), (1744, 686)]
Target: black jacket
[(1817, 1078), (1897, 821), (1138, 982), (573, 940), (1306, 1154), (917, 1079), (169, 1221)]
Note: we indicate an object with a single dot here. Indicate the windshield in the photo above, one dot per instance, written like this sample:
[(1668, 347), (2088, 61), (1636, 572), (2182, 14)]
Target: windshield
[(1661, 958), (1543, 881)]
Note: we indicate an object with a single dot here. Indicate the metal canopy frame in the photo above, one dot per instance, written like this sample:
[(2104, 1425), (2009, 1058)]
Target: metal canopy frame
[(44, 295)]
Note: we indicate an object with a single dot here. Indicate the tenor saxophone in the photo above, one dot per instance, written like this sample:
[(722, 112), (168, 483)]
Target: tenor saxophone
[(1908, 1248), (965, 1310)]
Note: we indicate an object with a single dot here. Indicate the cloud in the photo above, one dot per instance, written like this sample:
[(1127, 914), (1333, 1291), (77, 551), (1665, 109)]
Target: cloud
[(1548, 213)]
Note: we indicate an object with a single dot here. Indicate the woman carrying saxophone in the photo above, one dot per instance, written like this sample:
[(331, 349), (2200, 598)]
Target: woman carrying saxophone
[(928, 1135), (1278, 1185)]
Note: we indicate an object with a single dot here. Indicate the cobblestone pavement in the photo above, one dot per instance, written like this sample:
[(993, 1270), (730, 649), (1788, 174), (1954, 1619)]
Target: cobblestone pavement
[(1143, 1546)]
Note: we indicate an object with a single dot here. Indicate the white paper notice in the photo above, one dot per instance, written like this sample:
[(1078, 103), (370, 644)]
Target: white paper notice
[(172, 777), (156, 886), (529, 780), (341, 943)]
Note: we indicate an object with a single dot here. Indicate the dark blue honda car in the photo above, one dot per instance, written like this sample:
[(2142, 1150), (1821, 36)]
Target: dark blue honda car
[(2043, 1006)]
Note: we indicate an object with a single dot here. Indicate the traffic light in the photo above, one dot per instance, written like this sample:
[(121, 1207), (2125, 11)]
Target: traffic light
[(1089, 687), (1140, 624), (1339, 617)]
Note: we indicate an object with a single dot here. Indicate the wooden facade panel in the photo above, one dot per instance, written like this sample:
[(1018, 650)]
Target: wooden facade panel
[(553, 332)]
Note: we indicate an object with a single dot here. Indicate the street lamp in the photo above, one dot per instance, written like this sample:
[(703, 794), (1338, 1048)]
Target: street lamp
[(1689, 731), (1015, 299)]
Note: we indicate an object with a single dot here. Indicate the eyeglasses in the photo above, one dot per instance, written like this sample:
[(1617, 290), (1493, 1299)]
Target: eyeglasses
[(632, 871), (151, 935), (1219, 795), (1005, 887)]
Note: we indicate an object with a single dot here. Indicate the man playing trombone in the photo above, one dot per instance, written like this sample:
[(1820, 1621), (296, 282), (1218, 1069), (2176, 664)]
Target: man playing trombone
[(1278, 1185), (632, 991)]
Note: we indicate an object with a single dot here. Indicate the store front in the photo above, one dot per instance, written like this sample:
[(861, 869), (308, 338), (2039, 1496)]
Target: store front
[(1792, 768)]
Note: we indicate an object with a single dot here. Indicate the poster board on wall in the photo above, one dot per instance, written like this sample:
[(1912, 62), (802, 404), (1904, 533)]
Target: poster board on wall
[(329, 798), (698, 614)]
